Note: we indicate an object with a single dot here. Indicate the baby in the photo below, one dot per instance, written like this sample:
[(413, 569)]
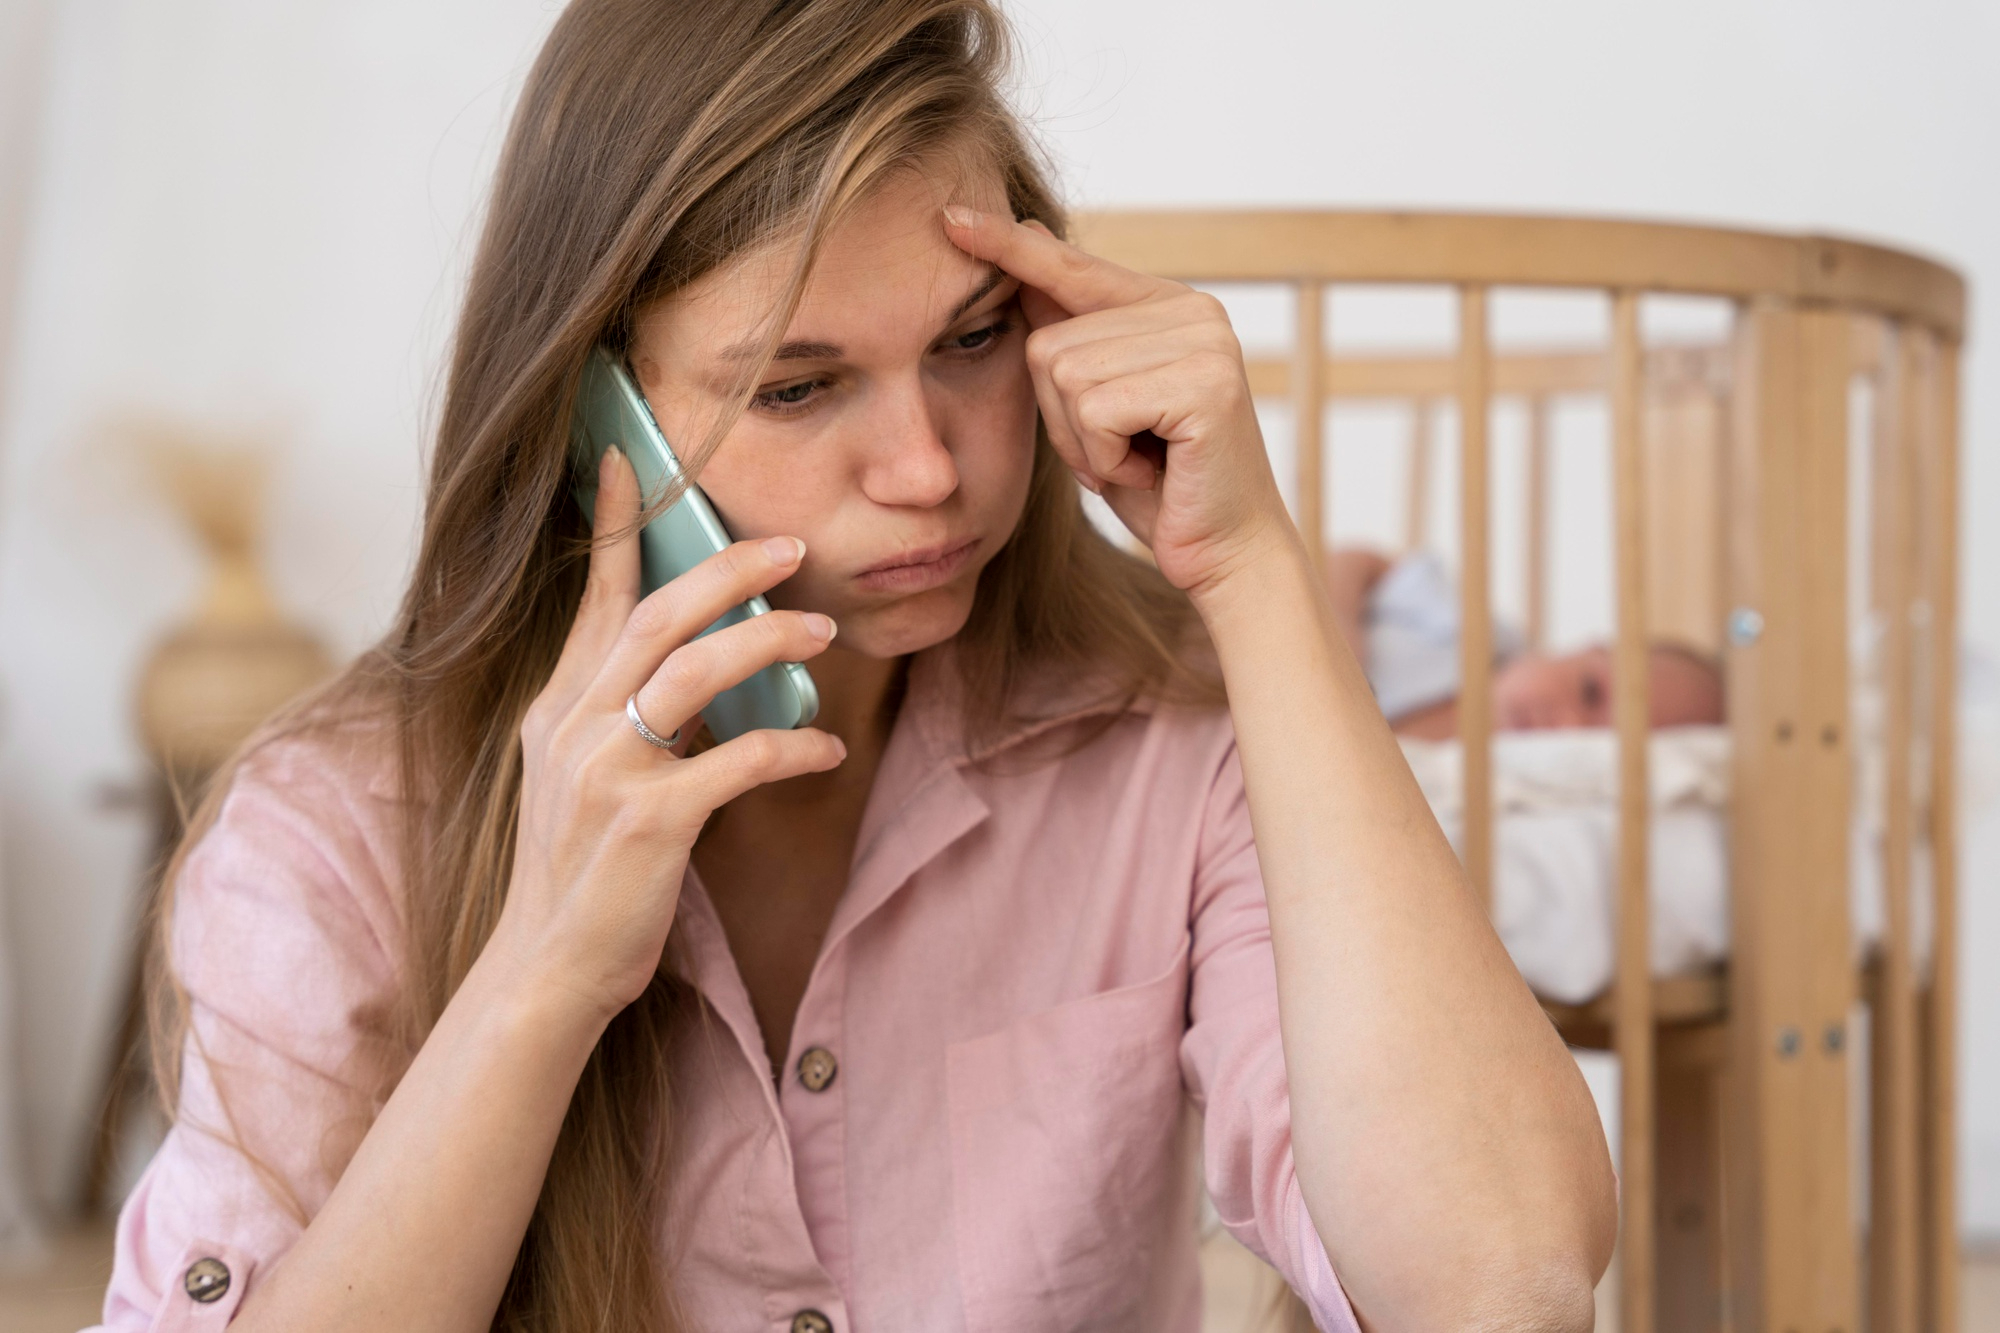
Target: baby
[(1401, 618)]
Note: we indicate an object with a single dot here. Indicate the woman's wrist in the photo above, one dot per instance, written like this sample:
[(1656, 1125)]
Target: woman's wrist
[(535, 992), (1268, 559)]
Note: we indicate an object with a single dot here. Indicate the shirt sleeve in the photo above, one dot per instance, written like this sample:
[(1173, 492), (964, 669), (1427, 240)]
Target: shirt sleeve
[(283, 938), (1234, 1064)]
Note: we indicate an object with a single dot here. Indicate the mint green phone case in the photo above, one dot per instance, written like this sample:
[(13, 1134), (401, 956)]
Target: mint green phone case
[(611, 410)]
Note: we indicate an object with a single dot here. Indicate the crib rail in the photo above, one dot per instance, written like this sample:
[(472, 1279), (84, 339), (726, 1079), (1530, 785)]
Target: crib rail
[(1761, 563), (1493, 249)]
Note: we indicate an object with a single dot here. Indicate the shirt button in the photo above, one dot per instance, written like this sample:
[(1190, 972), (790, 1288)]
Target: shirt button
[(811, 1321), (206, 1280), (816, 1070)]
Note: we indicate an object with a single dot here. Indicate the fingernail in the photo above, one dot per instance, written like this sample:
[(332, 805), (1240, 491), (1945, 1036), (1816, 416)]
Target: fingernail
[(1085, 480), (840, 745), (610, 459), (784, 550), (821, 627), (958, 215)]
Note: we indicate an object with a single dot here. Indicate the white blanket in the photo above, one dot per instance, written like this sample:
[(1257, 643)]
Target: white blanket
[(1547, 771), (1555, 852)]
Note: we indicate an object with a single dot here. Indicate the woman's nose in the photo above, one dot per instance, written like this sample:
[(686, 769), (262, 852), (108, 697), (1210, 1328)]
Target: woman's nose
[(908, 460)]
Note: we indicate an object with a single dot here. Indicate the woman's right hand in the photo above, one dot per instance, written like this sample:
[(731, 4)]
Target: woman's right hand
[(607, 820)]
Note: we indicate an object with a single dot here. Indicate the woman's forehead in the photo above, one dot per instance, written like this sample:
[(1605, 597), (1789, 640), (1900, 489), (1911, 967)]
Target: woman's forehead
[(885, 265)]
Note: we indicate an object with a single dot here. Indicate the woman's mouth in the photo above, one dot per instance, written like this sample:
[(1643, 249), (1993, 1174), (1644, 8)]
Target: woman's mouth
[(918, 570)]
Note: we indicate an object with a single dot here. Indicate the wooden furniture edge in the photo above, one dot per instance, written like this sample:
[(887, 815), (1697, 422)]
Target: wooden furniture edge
[(1507, 249)]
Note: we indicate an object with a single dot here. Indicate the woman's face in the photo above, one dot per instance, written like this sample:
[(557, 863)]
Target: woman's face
[(894, 430)]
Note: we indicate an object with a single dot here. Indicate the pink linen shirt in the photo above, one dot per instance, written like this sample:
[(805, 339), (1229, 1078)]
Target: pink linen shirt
[(1044, 1013)]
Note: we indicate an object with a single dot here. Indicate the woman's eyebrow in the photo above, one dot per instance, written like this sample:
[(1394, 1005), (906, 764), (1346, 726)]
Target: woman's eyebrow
[(799, 349), (804, 349), (994, 277)]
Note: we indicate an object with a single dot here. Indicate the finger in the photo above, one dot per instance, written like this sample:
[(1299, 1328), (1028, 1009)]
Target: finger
[(1053, 363), (1106, 456), (1077, 281), (685, 606), (1075, 366), (1165, 402), (696, 672), (1061, 430), (1133, 458), (1179, 310), (718, 776), (1039, 309), (1113, 459), (611, 585)]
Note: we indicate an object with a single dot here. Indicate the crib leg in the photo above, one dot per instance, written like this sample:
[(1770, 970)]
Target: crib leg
[(1939, 1271), (1689, 1226), (1789, 1228)]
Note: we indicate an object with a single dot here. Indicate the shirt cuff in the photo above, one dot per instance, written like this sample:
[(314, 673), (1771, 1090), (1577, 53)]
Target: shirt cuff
[(1317, 1284), (204, 1287)]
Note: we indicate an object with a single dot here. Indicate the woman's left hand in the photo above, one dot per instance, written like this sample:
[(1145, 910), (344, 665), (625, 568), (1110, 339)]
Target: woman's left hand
[(1117, 354)]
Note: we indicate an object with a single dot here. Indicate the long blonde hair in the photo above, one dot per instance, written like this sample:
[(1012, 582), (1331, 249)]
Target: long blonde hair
[(655, 141)]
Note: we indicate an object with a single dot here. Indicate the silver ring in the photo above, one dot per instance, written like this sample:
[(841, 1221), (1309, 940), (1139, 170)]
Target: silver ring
[(646, 733)]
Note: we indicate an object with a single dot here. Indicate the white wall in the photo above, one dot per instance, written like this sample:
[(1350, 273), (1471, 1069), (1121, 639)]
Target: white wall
[(256, 214), (250, 215)]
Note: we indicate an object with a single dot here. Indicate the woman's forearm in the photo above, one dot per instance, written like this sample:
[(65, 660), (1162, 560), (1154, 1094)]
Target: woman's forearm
[(422, 1230), (1445, 1142)]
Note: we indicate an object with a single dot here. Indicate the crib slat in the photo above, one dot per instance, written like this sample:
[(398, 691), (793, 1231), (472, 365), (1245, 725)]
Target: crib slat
[(1632, 987), (1417, 496), (1759, 1098), (1475, 643), (1941, 1277), (1828, 1269), (1308, 413), (1894, 1196), (1538, 521)]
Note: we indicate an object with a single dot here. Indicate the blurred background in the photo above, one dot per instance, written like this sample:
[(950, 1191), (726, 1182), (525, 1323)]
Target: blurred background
[(232, 236)]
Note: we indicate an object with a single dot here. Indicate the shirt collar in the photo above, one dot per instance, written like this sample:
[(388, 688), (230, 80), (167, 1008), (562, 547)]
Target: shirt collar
[(1045, 699), (921, 804)]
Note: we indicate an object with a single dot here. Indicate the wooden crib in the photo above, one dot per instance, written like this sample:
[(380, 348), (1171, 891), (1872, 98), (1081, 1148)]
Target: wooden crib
[(1731, 494)]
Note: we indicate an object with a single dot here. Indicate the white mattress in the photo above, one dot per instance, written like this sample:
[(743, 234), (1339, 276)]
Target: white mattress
[(1556, 847)]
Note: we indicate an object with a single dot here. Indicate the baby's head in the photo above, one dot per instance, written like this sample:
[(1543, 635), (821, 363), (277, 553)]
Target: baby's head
[(1535, 691)]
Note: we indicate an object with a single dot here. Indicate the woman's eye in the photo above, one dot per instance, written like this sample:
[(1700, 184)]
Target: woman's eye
[(789, 395), (980, 338)]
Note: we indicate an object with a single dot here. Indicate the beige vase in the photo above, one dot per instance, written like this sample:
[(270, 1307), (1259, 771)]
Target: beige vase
[(214, 677)]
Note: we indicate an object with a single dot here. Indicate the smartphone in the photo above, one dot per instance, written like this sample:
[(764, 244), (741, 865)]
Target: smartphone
[(611, 410)]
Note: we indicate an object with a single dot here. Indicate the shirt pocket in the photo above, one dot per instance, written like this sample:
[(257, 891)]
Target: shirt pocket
[(1063, 1133)]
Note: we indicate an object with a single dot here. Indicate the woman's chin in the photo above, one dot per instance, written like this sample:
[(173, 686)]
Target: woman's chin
[(907, 625)]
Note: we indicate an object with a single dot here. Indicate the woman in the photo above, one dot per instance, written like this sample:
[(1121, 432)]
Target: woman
[(495, 1014)]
